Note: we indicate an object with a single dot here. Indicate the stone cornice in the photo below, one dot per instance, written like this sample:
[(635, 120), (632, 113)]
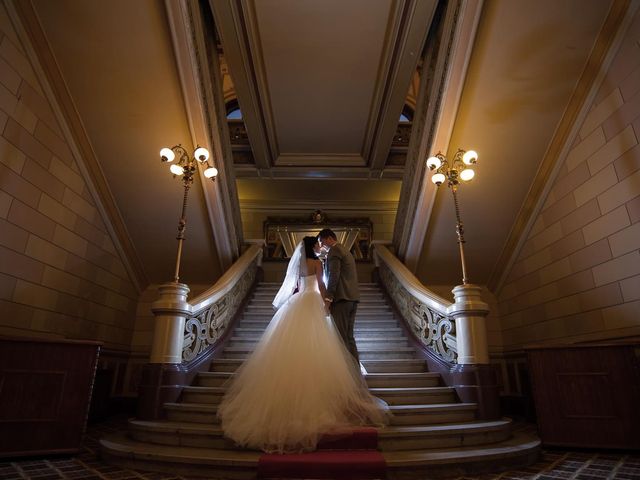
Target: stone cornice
[(55, 88)]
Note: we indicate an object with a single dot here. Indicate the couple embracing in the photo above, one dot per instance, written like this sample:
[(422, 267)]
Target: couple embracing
[(303, 379)]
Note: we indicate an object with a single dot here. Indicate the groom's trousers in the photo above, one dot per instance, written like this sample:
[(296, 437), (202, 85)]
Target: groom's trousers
[(344, 317)]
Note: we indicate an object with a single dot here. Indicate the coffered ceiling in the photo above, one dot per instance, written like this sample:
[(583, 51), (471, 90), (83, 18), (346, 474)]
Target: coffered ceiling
[(321, 84)]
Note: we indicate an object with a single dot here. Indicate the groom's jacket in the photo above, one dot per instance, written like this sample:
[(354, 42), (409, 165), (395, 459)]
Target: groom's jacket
[(342, 282)]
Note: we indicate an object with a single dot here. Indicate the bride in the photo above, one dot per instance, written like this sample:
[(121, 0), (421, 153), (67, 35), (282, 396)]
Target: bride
[(300, 381)]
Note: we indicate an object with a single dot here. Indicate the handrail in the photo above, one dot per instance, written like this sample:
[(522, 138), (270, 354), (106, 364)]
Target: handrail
[(227, 281), (212, 310), (426, 313)]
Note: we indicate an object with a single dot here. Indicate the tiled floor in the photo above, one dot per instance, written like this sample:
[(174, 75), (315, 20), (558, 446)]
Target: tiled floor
[(553, 465)]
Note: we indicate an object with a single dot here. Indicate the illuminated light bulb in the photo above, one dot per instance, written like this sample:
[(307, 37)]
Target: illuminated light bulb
[(433, 163), (211, 172), (438, 179), (467, 174), (470, 157), (176, 169), (167, 155), (201, 154)]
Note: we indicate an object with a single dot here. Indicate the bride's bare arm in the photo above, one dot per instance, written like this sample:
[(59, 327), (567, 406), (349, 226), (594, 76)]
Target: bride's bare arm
[(319, 273)]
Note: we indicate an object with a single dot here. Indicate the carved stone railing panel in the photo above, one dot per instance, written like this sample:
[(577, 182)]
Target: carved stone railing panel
[(212, 313), (424, 312)]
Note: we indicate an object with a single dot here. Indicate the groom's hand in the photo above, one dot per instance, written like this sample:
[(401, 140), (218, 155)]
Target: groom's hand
[(327, 304)]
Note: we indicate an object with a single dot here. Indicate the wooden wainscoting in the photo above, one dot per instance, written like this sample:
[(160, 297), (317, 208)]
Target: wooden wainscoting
[(587, 395), (45, 389)]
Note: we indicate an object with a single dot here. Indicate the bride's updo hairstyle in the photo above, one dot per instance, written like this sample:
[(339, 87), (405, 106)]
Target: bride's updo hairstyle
[(309, 243)]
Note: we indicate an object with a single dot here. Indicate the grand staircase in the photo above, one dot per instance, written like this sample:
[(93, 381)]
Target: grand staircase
[(432, 434)]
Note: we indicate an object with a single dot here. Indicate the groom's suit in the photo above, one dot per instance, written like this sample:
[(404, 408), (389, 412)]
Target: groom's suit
[(342, 289)]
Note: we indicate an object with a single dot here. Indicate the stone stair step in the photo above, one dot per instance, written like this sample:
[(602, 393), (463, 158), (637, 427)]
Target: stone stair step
[(184, 434), (462, 461), (390, 438), (391, 341), (212, 379), (409, 437), (179, 460), (192, 413), (415, 396), (432, 414), (520, 449), (403, 380), (203, 395), (225, 365), (395, 365), (363, 343), (381, 353)]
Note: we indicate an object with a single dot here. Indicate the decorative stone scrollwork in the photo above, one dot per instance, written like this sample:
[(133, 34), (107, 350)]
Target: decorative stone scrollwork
[(205, 327), (434, 329)]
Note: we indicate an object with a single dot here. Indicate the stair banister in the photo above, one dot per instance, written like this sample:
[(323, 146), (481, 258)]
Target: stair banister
[(212, 310), (187, 334), (432, 315)]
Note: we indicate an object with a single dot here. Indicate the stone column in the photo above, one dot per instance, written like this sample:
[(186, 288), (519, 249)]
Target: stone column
[(170, 310), (470, 314)]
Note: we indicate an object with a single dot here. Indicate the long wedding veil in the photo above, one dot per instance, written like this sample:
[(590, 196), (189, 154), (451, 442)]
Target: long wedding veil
[(291, 279)]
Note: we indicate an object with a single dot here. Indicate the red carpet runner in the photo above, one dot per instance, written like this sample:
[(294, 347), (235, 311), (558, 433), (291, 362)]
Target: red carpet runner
[(352, 456)]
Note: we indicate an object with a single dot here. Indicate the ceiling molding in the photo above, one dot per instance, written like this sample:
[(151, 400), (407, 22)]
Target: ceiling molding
[(204, 123), (230, 22), (329, 159), (319, 173), (57, 93), (453, 85), (304, 205), (401, 58), (604, 50)]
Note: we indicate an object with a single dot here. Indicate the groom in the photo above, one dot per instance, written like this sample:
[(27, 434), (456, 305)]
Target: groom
[(342, 288)]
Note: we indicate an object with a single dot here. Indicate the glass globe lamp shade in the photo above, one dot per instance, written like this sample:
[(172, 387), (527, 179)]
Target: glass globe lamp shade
[(470, 157), (211, 172), (467, 174), (167, 155), (201, 154), (438, 179), (433, 163), (176, 169)]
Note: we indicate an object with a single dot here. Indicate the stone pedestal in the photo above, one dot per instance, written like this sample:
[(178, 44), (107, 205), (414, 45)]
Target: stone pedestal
[(470, 314), (170, 310)]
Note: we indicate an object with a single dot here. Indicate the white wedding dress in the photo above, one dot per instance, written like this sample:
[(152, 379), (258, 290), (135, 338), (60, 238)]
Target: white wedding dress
[(299, 382)]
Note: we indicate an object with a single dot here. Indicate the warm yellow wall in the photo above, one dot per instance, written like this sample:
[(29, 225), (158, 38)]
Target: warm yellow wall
[(577, 277), (60, 274)]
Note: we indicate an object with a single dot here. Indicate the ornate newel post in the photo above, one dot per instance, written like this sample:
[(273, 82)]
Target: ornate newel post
[(170, 310), (164, 376), (470, 314), (475, 380)]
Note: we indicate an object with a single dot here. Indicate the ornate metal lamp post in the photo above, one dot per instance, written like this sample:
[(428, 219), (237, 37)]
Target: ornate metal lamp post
[(186, 167), (453, 173), (468, 308), (171, 308)]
